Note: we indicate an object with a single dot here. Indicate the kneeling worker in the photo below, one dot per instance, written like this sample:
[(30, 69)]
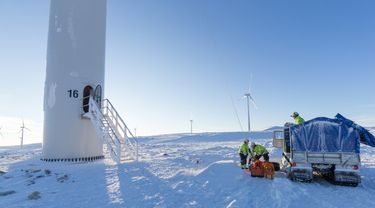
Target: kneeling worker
[(259, 151)]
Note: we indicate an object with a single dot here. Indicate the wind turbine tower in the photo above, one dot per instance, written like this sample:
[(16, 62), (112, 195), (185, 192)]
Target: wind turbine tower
[(23, 127), (191, 126), (249, 98), (247, 95), (75, 71)]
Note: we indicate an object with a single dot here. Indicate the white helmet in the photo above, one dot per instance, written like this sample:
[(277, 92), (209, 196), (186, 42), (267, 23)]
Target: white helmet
[(252, 145)]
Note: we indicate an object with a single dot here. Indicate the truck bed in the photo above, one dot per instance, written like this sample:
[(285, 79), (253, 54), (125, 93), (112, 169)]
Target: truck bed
[(337, 158)]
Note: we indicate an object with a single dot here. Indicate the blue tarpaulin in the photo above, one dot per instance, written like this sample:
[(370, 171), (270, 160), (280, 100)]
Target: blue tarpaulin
[(365, 136), (325, 135)]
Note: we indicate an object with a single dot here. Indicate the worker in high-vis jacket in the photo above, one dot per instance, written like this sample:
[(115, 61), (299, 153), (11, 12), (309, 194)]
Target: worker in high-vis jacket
[(257, 151), (297, 118), (244, 152)]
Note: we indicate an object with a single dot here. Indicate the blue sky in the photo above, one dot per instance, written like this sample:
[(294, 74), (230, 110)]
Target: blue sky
[(169, 61)]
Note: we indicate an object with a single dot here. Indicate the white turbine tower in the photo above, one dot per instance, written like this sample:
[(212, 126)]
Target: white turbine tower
[(22, 130), (1, 134), (249, 98)]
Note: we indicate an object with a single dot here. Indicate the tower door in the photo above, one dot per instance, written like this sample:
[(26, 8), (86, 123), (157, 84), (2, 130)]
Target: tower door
[(87, 92), (98, 95)]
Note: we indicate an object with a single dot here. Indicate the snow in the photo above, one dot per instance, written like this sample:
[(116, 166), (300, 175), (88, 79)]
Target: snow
[(180, 170), (275, 128)]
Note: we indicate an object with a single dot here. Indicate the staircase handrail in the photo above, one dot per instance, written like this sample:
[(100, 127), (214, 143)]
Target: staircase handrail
[(96, 111), (125, 129)]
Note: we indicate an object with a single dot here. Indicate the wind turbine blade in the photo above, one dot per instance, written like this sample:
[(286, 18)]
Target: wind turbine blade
[(253, 101), (235, 111), (251, 80), (27, 129), (1, 134)]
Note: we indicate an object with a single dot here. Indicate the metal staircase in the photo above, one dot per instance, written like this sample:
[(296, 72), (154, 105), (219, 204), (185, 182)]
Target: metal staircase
[(118, 140)]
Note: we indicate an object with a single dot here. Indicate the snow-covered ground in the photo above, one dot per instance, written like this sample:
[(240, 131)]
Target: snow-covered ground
[(199, 170)]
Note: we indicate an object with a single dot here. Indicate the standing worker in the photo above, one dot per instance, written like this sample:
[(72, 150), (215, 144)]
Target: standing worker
[(259, 151), (297, 118), (244, 152)]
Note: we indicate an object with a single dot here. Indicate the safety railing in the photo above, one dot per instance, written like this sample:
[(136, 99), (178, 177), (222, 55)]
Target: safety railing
[(129, 143), (120, 141), (104, 130)]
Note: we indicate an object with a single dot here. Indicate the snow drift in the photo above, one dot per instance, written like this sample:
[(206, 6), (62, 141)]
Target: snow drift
[(198, 170)]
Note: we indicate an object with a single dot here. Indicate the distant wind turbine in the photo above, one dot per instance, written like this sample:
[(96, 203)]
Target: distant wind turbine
[(1, 133), (249, 98), (23, 127), (191, 124)]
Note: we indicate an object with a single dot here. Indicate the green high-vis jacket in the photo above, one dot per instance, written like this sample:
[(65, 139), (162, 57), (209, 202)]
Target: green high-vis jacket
[(258, 150), (244, 149), (299, 120)]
